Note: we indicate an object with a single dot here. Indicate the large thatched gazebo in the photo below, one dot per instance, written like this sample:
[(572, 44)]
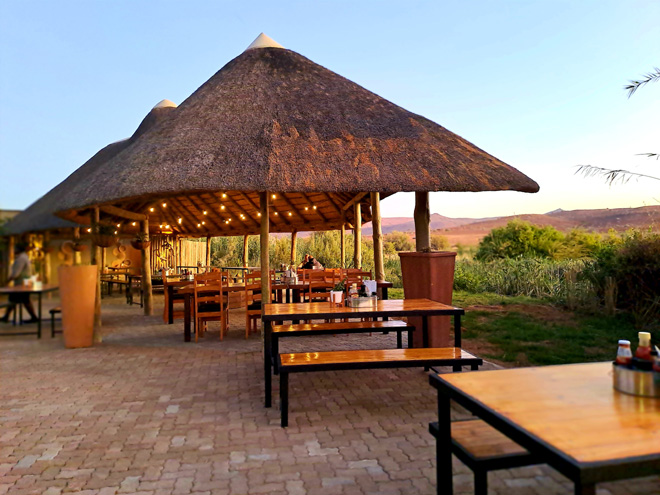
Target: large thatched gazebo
[(274, 135)]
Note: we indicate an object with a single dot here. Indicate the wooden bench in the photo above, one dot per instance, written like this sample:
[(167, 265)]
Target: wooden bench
[(301, 329), (367, 359), (482, 448), (54, 312)]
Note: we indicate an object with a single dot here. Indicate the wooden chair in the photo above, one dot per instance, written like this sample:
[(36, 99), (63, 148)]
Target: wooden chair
[(253, 301), (321, 282), (178, 312), (210, 303)]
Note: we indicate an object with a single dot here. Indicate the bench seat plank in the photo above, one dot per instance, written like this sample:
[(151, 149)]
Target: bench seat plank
[(373, 357), (351, 325), (366, 359)]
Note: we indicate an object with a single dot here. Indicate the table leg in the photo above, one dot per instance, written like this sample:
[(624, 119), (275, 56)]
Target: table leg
[(425, 330), (170, 305), (585, 488), (425, 335), (275, 352), (186, 317), (267, 363), (296, 299), (385, 297), (288, 295), (444, 473), (457, 338), (39, 322), (284, 399)]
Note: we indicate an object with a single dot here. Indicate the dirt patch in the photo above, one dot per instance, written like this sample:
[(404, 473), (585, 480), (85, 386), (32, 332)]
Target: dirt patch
[(543, 312), (481, 348)]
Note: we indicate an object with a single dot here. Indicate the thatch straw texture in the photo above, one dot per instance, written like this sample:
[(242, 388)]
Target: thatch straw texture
[(40, 215), (272, 120)]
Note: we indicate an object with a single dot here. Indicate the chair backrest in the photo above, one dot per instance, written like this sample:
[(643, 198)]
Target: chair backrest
[(208, 289), (321, 282), (354, 276), (253, 287)]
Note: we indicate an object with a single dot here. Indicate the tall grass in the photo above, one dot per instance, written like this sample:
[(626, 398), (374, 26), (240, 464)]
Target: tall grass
[(558, 281)]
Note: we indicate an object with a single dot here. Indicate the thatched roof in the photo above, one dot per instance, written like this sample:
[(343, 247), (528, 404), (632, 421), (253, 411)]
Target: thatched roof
[(273, 120), (39, 216)]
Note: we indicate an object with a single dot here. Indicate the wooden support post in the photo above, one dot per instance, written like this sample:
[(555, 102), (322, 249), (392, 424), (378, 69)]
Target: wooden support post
[(357, 236), (246, 247), (10, 255), (146, 272), (208, 253), (422, 222), (342, 249), (379, 267), (96, 260), (264, 255), (294, 238), (47, 264), (77, 256)]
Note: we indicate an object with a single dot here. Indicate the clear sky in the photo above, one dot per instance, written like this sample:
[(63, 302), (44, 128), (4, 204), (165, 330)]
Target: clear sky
[(537, 84)]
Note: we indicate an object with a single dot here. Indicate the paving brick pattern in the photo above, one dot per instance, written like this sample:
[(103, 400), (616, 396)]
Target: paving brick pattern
[(145, 413)]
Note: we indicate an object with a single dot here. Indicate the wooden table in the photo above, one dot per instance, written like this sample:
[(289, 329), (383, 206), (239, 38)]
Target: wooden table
[(184, 290), (24, 289), (323, 310), (568, 415)]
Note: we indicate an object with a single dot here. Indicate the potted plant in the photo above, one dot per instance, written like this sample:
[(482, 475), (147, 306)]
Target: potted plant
[(103, 235), (337, 293), (141, 241)]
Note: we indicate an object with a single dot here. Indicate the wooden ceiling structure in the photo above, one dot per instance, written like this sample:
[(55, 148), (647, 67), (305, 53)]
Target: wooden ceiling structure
[(233, 213)]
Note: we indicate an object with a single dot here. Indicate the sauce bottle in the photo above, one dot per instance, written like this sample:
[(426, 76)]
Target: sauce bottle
[(644, 348), (624, 354)]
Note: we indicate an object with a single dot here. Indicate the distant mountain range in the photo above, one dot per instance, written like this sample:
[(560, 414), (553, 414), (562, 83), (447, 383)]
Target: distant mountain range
[(469, 231)]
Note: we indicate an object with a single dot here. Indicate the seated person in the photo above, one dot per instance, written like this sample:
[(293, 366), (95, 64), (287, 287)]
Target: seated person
[(305, 263), (315, 263)]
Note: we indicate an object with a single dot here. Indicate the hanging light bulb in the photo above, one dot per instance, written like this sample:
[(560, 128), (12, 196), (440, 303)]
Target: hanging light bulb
[(167, 227), (306, 208), (224, 195), (118, 225), (203, 223), (199, 224), (222, 207), (275, 213), (290, 213), (115, 232), (89, 230), (164, 205), (204, 212), (259, 214), (151, 210), (133, 224), (314, 207), (274, 196)]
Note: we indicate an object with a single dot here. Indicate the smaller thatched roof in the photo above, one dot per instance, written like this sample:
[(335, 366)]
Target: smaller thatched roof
[(40, 215)]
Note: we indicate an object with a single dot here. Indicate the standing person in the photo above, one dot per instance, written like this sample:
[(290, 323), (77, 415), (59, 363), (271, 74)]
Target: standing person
[(20, 270)]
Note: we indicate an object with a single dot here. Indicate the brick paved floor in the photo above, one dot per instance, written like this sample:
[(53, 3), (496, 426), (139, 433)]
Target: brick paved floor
[(145, 413)]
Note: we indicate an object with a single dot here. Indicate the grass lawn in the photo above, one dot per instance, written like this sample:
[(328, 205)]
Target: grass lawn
[(522, 331)]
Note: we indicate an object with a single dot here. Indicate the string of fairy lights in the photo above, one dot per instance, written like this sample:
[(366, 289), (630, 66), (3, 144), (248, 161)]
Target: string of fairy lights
[(166, 228)]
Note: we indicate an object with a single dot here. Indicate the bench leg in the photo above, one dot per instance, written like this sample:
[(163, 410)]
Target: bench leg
[(399, 340), (480, 482), (474, 367), (284, 399), (410, 339), (267, 363), (276, 352), (52, 325)]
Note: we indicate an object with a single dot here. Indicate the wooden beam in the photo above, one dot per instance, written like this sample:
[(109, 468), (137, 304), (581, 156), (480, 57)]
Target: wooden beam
[(221, 227), (122, 213), (96, 260), (246, 246), (379, 266), (208, 253), (354, 200), (422, 222), (357, 237), (242, 210), (147, 295), (317, 210), (294, 238), (342, 238), (256, 206), (333, 204), (294, 208), (264, 255)]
